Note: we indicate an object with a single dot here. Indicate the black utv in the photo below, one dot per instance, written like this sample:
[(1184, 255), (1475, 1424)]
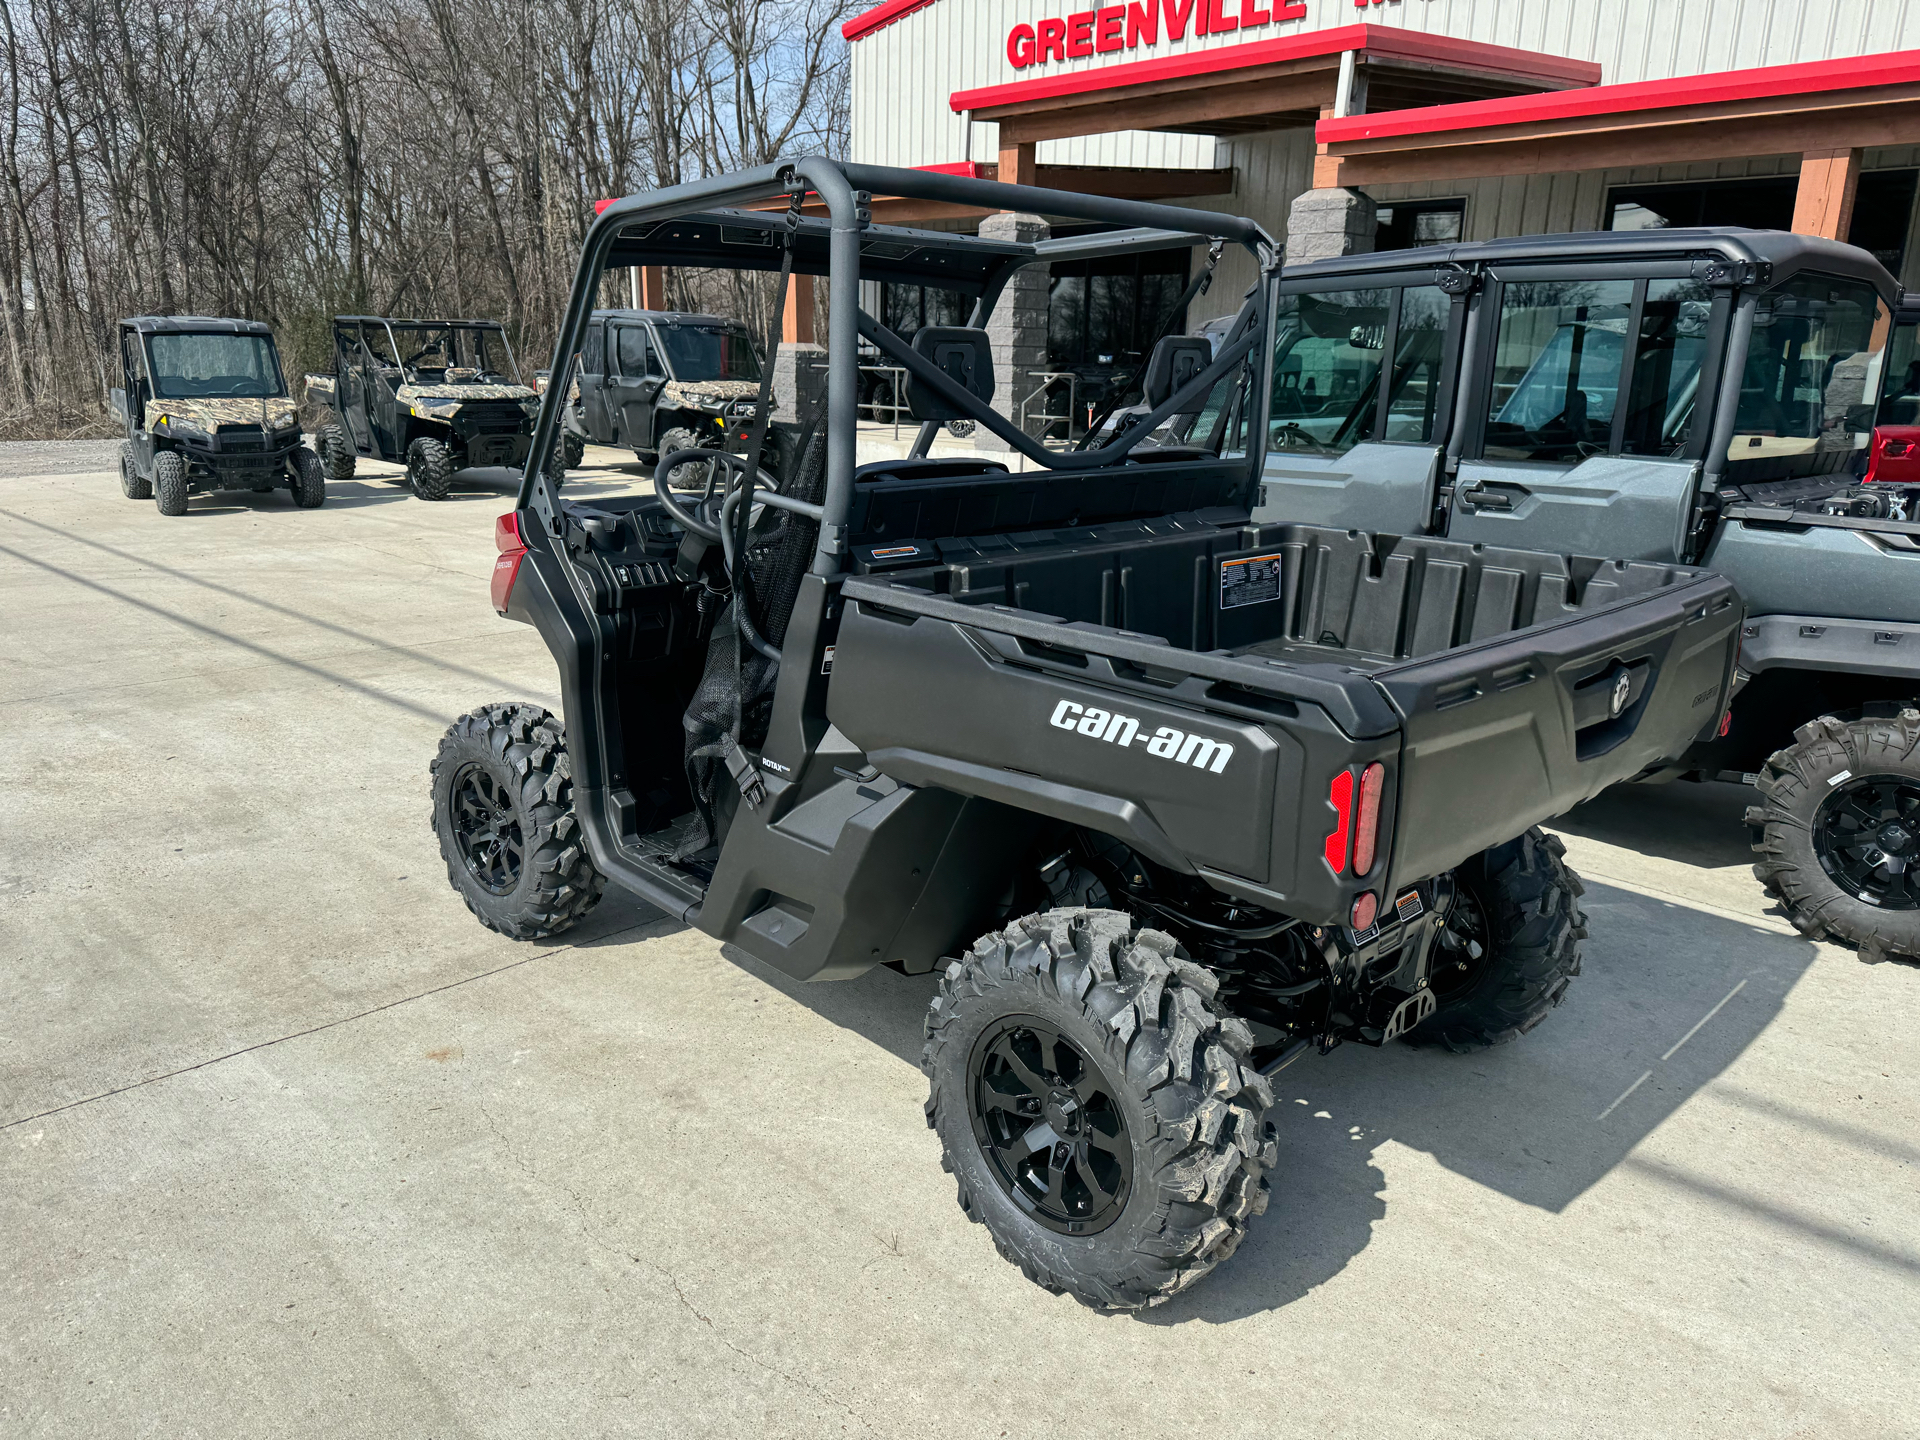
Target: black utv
[(437, 396), (664, 380), (1169, 796), (205, 408)]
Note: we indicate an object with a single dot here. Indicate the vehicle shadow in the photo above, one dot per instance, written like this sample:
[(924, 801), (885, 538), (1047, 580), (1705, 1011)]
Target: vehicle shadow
[(1695, 823), (1668, 997)]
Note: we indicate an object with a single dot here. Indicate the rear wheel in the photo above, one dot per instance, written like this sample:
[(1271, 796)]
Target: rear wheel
[(503, 788), (1837, 831), (132, 484), (170, 483), (573, 450), (1511, 947), (309, 481), (430, 468), (336, 453), (1095, 1106)]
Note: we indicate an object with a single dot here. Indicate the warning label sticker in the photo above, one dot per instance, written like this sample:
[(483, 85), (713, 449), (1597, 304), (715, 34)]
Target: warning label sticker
[(1250, 580)]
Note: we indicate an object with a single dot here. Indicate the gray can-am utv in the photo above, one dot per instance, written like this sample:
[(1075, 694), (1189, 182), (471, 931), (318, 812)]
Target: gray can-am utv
[(663, 380), (205, 408), (1691, 397), (1171, 797)]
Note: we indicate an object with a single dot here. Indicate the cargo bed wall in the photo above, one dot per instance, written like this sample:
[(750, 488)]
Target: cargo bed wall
[(1520, 683), (1289, 592)]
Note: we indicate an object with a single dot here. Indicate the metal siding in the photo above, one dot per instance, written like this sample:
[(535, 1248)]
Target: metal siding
[(904, 73)]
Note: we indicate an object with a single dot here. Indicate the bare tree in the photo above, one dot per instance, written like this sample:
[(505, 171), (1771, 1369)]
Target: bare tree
[(293, 159)]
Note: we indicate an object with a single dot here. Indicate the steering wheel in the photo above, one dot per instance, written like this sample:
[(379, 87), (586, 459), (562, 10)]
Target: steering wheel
[(734, 467), (1293, 437)]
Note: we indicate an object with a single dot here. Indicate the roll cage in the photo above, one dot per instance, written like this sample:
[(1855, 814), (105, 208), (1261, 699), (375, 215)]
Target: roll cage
[(701, 224)]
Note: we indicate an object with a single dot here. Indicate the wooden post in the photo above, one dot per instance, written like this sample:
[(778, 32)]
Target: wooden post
[(797, 315), (1824, 202), (653, 288), (1016, 162)]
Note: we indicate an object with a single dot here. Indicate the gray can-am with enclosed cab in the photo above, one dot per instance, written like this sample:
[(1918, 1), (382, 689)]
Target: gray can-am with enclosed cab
[(1676, 397), (1169, 795)]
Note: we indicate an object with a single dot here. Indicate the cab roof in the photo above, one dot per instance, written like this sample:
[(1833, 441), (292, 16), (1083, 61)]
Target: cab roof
[(1782, 251), (396, 320), (669, 317), (194, 325)]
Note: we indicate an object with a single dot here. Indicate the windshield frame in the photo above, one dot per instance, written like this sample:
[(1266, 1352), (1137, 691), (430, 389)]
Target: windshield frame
[(490, 327), (147, 337)]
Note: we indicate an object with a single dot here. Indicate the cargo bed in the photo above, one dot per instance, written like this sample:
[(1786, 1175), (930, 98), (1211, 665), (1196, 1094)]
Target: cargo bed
[(1498, 687)]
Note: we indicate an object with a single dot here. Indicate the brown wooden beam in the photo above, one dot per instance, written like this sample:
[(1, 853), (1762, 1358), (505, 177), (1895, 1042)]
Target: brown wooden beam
[(1016, 160), (1648, 138), (1824, 200), (797, 313), (1280, 91)]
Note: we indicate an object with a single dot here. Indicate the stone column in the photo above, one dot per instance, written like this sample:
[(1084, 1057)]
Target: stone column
[(1321, 223), (800, 379), (1017, 330)]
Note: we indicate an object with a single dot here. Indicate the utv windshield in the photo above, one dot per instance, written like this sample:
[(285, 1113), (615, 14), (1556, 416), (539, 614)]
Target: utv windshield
[(1812, 376), (455, 354), (708, 352), (1901, 390), (191, 366)]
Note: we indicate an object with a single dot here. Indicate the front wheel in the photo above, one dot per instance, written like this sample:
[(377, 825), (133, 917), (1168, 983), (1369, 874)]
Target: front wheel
[(573, 450), (1511, 947), (170, 483), (1096, 1106), (1837, 829), (132, 484), (503, 788), (309, 481), (430, 468)]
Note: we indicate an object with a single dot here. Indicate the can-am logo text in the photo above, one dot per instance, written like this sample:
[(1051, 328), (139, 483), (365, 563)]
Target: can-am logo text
[(1125, 730)]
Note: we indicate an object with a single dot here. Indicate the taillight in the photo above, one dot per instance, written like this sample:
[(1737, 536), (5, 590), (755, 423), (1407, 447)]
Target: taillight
[(513, 550), (1340, 795), (1366, 907), (1367, 823)]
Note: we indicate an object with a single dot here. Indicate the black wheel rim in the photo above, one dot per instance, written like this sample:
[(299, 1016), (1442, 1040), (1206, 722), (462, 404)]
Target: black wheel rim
[(1462, 949), (1865, 836), (486, 830), (1050, 1126)]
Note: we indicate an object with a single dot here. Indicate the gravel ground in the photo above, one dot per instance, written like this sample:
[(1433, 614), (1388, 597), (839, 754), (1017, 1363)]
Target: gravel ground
[(57, 457)]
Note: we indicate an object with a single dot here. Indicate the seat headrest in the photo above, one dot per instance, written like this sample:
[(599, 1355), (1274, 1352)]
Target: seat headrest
[(1176, 360), (964, 356)]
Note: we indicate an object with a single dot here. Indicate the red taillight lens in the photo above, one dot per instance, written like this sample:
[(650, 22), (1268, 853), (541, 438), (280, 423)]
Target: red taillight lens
[(512, 550), (1367, 823), (1340, 795), (1366, 907)]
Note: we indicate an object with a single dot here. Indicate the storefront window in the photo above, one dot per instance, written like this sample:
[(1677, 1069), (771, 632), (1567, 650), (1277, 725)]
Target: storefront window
[(1813, 371), (1327, 366), (1557, 369), (1664, 392), (906, 308), (1107, 313)]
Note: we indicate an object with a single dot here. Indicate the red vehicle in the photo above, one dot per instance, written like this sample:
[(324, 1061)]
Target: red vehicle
[(1894, 456)]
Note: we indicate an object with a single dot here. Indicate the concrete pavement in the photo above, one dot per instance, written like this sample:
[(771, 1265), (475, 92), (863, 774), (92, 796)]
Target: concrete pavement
[(290, 1145)]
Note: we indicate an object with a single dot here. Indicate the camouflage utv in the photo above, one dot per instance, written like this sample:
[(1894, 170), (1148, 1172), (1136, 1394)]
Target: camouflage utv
[(437, 396), (205, 407)]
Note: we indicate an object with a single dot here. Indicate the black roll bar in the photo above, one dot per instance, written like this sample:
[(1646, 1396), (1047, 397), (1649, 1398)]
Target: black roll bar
[(836, 185)]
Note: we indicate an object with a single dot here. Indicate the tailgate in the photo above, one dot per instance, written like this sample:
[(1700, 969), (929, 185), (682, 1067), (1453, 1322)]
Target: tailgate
[(1519, 728)]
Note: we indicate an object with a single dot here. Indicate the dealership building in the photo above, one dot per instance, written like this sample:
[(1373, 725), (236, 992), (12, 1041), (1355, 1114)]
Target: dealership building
[(1355, 125)]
